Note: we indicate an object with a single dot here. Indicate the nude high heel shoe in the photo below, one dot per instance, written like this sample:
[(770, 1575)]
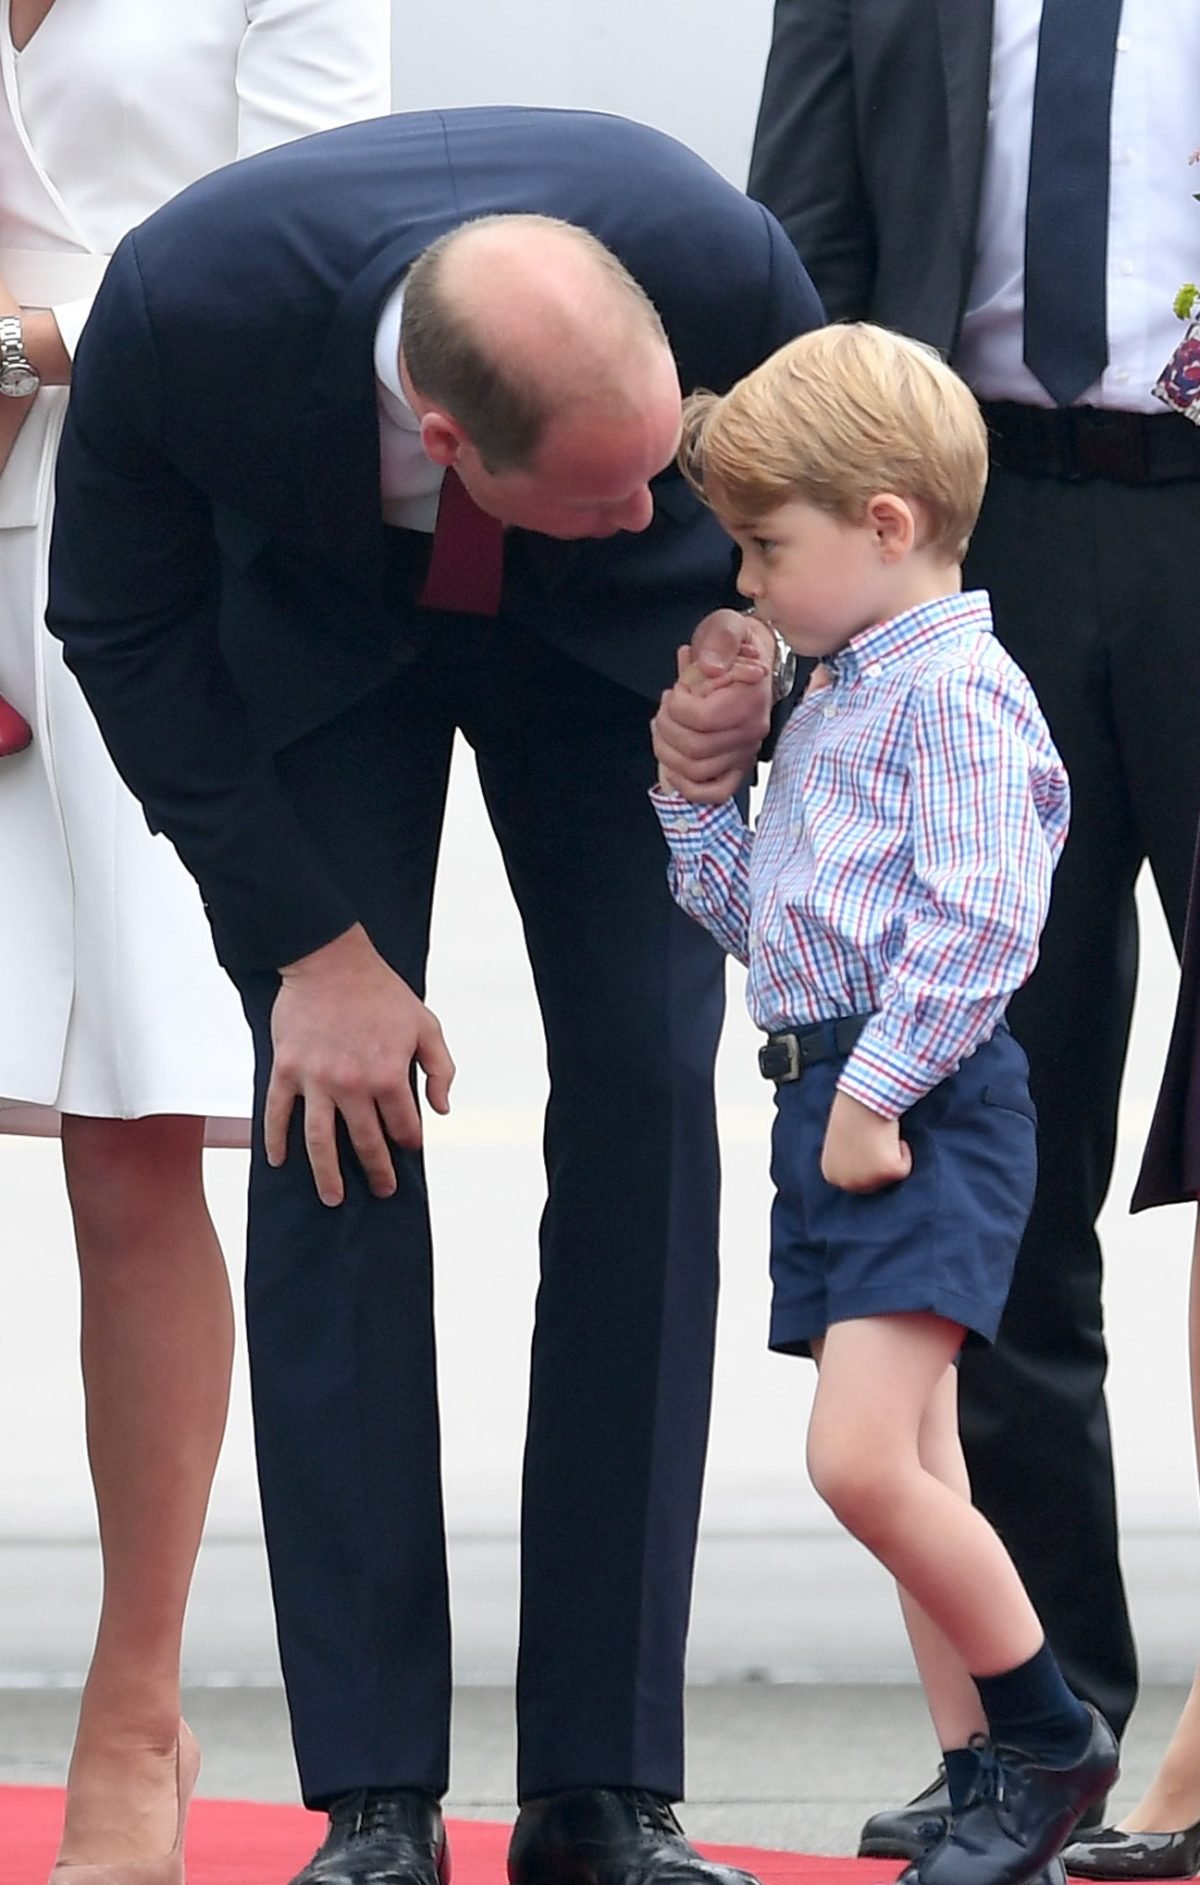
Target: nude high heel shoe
[(165, 1871)]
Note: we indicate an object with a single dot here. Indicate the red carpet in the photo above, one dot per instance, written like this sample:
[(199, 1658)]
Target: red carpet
[(231, 1842)]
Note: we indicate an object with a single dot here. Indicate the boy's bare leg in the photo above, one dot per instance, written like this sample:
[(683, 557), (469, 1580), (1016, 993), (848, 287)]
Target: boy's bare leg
[(877, 1381), (952, 1696), (878, 1387)]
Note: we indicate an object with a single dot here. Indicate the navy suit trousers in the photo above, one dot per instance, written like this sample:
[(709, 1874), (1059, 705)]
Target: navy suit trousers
[(339, 1301)]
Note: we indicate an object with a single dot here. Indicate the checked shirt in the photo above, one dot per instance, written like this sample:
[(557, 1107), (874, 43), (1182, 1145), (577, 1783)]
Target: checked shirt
[(901, 863)]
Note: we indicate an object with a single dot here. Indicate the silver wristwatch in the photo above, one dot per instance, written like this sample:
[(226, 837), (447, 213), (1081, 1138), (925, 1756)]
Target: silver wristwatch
[(19, 379), (783, 674)]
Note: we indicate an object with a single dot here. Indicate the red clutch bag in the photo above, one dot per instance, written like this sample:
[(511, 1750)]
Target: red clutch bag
[(15, 730)]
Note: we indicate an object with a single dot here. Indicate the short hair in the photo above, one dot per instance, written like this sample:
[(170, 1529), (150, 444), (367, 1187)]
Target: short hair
[(835, 417), (505, 405)]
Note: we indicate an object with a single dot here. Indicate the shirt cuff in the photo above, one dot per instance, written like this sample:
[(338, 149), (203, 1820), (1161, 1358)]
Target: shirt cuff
[(879, 1077), (690, 828), (71, 316)]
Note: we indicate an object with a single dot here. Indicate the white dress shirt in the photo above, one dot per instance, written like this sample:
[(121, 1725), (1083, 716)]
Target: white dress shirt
[(410, 483), (1153, 222)]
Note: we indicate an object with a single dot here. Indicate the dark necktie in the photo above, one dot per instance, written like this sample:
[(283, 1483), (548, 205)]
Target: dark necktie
[(1066, 216), (466, 563)]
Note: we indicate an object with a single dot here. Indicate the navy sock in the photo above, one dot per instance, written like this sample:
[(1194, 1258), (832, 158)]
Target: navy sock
[(962, 1768), (1031, 1708)]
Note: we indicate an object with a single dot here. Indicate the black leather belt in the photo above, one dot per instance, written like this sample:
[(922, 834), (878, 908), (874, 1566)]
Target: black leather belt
[(1077, 442), (784, 1057)]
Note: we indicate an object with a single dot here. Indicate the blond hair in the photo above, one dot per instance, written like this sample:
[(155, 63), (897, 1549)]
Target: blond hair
[(835, 417)]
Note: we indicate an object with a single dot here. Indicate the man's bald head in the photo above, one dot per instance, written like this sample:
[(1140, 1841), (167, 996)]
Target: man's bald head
[(512, 323)]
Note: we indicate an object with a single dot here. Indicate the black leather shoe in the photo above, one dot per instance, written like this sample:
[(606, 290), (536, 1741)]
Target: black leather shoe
[(1111, 1853), (385, 1836), (905, 1832), (1018, 1816), (608, 1836)]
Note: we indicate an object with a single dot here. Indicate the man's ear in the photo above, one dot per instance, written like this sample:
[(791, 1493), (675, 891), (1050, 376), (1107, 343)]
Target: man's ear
[(441, 439), (893, 523)]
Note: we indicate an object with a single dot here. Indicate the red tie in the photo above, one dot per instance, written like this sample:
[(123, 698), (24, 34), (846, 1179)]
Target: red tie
[(466, 564)]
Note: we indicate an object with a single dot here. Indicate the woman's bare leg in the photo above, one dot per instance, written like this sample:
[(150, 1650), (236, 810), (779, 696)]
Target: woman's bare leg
[(1172, 1800), (157, 1343)]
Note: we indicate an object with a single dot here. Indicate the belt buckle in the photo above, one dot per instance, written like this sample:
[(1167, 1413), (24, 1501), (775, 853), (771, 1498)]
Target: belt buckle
[(1109, 444), (779, 1059)]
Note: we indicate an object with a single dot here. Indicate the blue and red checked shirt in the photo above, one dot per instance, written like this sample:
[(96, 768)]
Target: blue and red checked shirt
[(901, 864)]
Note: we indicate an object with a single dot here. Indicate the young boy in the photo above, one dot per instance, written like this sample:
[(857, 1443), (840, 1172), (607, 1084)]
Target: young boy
[(887, 904)]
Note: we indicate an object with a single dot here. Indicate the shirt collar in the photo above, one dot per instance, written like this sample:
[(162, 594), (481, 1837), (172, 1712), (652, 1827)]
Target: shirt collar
[(387, 363), (916, 630)]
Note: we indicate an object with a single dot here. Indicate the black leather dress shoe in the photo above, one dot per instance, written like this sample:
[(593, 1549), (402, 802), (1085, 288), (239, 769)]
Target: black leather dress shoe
[(1110, 1853), (905, 1832), (1019, 1815), (608, 1836), (389, 1836)]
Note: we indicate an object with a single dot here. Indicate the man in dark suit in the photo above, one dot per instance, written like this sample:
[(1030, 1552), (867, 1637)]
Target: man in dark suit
[(914, 151), (280, 368)]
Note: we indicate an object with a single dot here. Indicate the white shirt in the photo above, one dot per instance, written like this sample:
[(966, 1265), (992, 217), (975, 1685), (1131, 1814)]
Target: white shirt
[(1153, 223), (410, 483)]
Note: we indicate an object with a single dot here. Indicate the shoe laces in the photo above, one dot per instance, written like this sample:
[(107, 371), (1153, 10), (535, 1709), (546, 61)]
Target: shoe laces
[(655, 1815), (988, 1785), (369, 1812)]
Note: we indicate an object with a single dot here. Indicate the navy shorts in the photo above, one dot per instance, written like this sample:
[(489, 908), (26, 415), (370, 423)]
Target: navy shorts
[(944, 1240)]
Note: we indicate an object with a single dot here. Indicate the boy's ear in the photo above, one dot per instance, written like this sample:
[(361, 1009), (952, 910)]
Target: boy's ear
[(893, 523)]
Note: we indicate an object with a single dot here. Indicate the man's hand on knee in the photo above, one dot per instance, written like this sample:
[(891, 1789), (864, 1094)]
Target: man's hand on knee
[(346, 1031)]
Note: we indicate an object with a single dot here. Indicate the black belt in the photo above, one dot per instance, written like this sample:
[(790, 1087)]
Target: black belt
[(785, 1056), (1077, 442)]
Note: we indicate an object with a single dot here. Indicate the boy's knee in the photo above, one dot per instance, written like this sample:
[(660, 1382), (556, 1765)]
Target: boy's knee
[(849, 1478)]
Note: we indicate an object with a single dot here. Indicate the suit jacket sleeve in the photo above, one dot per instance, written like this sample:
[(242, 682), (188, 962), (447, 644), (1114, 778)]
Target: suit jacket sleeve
[(805, 162), (134, 590)]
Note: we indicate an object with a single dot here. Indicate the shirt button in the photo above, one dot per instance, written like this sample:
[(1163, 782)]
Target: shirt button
[(1121, 375), (1126, 267), (874, 670), (1123, 42), (829, 711)]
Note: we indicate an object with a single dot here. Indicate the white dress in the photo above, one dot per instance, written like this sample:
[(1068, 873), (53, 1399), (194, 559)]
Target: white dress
[(112, 1003)]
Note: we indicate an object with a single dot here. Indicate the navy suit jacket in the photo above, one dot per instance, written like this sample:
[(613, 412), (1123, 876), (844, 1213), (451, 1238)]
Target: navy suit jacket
[(870, 148), (217, 565)]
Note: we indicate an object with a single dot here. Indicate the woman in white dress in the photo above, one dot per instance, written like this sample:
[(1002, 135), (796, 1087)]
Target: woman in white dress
[(116, 1025)]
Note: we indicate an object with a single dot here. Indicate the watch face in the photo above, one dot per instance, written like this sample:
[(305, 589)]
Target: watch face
[(18, 382)]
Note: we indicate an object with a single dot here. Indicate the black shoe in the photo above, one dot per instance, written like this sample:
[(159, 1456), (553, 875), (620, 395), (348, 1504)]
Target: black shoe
[(385, 1836), (1018, 1816), (905, 1832), (1110, 1853), (608, 1836)]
